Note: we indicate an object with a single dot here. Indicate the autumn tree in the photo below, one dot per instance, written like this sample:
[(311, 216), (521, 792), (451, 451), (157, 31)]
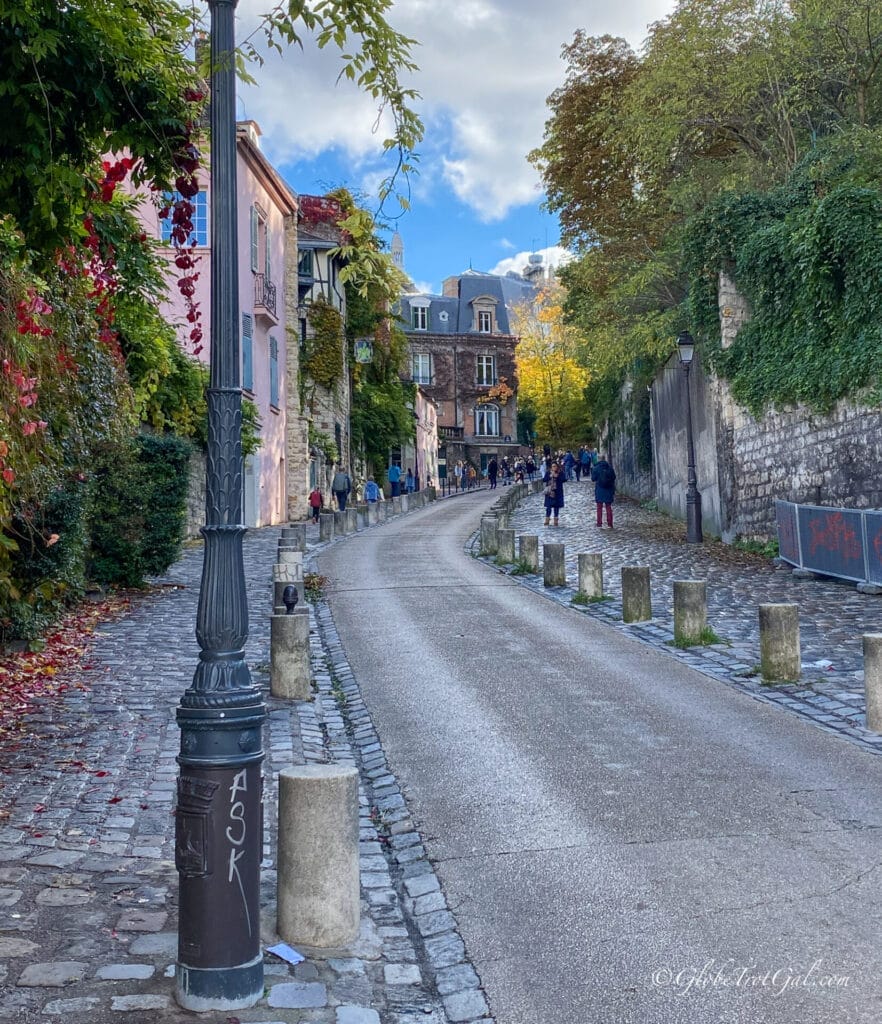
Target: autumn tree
[(551, 379)]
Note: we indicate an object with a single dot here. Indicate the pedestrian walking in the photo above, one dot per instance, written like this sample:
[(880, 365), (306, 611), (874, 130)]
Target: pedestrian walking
[(371, 491), (554, 493), (394, 474), (569, 462), (409, 483), (457, 474), (316, 500), (473, 477), (492, 472), (604, 477), (585, 461), (341, 486)]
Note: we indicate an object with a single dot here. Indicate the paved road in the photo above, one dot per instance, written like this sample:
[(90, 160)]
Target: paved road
[(621, 838)]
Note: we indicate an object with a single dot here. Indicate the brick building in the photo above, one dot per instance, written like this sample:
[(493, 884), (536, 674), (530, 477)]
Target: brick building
[(463, 357)]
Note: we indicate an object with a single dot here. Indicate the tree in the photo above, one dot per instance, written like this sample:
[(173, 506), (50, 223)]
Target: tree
[(551, 380)]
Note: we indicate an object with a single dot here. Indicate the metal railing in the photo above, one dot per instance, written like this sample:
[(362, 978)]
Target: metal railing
[(264, 294), (842, 542)]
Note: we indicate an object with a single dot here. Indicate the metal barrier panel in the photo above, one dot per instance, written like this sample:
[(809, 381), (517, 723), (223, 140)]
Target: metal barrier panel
[(832, 541), (788, 531), (873, 527)]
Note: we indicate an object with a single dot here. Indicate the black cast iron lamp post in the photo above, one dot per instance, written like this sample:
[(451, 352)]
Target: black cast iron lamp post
[(686, 350), (219, 820)]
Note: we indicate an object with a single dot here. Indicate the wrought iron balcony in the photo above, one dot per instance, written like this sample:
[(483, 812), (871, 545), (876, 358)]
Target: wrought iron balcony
[(265, 297)]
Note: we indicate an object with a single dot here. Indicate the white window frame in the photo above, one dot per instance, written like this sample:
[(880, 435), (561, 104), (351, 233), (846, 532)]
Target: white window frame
[(422, 367), (486, 421), (482, 364), (419, 318), (485, 321)]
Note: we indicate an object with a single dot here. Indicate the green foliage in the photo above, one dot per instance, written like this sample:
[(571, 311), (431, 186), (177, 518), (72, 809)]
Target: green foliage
[(382, 418), (324, 443), (706, 638), (322, 360), (138, 509)]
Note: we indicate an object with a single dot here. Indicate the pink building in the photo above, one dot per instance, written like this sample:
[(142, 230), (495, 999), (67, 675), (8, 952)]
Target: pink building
[(267, 211)]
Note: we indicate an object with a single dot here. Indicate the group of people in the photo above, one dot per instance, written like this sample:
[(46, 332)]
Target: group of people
[(341, 489), (594, 466), (465, 476)]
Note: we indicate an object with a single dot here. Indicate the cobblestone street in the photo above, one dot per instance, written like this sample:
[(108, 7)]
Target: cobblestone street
[(833, 615)]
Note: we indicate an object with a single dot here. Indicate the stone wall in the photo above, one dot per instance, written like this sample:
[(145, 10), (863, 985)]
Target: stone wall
[(196, 496), (622, 446)]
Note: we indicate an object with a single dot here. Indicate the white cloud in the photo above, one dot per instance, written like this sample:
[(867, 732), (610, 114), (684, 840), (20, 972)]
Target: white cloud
[(486, 68), (505, 243), (552, 256)]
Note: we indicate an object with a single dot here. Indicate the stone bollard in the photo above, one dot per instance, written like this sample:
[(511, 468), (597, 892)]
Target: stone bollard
[(405, 502), (294, 536), (690, 611), (373, 513), (290, 572), (780, 654), (433, 494), (396, 505), (289, 655), (318, 882), (326, 526), (288, 556), (489, 539), (339, 523), (636, 595), (554, 569), (279, 590), (505, 545), (351, 525), (873, 679), (385, 508), (591, 574), (528, 551)]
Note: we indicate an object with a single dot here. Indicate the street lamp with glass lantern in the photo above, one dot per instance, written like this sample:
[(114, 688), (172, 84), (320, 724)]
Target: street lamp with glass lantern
[(686, 350)]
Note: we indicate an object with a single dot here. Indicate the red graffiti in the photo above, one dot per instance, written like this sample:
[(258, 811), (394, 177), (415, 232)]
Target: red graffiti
[(834, 534)]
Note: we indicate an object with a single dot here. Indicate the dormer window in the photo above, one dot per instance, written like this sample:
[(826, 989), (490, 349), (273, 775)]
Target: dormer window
[(419, 316), (485, 322), (484, 313)]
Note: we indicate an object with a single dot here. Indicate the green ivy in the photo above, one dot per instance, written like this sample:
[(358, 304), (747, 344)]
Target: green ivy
[(323, 360)]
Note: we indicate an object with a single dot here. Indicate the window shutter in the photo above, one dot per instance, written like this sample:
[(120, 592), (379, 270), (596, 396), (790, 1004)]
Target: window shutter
[(254, 239), (247, 352), (268, 260), (274, 372)]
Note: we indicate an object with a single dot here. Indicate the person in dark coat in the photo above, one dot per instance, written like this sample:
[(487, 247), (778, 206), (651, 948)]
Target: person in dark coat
[(604, 477), (492, 472), (554, 492)]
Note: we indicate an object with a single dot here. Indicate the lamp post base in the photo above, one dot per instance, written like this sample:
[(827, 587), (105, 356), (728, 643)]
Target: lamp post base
[(694, 534), (219, 988)]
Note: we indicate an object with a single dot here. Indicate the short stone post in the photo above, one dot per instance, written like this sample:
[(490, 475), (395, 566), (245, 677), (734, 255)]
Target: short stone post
[(591, 574), (690, 611), (873, 679), (362, 510), (294, 536), (373, 513), (385, 508), (433, 494), (396, 505), (505, 545), (554, 570), (318, 883), (288, 556), (326, 526), (636, 594), (405, 502), (289, 655), (351, 525), (339, 523), (489, 539), (780, 653), (528, 551)]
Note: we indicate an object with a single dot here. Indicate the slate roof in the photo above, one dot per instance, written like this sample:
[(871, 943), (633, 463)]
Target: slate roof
[(508, 291)]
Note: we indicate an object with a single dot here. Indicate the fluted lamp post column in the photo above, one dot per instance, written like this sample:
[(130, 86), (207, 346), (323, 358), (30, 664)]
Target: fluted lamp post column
[(219, 823), (686, 350)]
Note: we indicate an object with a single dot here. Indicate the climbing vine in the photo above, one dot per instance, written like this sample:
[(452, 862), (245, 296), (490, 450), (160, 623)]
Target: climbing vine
[(323, 358)]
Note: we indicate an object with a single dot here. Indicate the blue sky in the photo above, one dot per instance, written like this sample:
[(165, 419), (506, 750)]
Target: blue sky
[(486, 68)]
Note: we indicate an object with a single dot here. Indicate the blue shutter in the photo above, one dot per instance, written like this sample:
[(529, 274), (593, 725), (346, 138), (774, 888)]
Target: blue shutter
[(274, 372), (247, 352)]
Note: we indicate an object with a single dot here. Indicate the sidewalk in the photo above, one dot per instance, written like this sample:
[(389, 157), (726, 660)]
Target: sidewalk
[(833, 615), (88, 887)]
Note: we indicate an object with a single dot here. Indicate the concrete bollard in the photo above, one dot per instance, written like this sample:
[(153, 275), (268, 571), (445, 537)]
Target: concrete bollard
[(385, 508), (554, 570), (373, 513), (489, 539), (396, 505), (318, 882), (528, 551), (290, 572), (873, 679), (433, 494), (294, 535), (636, 594), (351, 525), (690, 611), (405, 502), (339, 523), (289, 655), (362, 510), (505, 545), (287, 556), (326, 526), (591, 574), (279, 590), (780, 654)]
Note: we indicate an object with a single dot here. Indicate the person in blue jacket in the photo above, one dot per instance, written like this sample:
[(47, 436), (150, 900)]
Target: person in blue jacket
[(554, 492), (604, 477), (395, 480), (371, 491)]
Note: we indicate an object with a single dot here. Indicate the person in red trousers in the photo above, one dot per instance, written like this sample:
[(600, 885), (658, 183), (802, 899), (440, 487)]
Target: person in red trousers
[(604, 477)]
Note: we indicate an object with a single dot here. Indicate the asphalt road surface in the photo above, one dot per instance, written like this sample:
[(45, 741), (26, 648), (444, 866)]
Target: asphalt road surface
[(620, 838)]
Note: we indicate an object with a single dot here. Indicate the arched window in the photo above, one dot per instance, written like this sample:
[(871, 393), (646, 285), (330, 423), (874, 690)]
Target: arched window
[(486, 421)]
